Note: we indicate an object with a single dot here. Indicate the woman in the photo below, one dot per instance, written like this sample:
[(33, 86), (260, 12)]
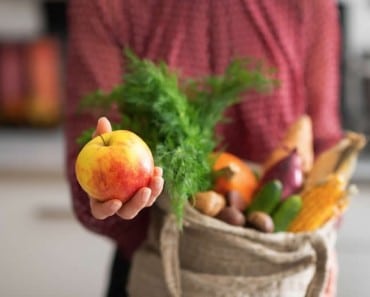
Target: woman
[(298, 38)]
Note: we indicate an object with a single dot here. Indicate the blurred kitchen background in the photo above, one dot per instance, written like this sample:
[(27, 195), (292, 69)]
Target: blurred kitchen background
[(43, 250)]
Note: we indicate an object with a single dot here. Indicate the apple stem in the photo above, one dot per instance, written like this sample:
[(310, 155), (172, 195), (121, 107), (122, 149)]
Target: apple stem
[(102, 138)]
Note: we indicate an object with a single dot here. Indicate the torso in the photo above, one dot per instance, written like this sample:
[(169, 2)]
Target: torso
[(201, 37)]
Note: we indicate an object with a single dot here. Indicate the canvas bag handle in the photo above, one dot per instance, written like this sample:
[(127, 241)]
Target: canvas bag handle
[(169, 247)]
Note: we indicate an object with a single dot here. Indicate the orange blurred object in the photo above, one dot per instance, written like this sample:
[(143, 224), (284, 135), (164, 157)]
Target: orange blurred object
[(44, 81), (241, 179), (31, 87)]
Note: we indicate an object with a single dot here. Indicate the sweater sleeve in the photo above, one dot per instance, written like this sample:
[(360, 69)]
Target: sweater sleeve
[(322, 71), (94, 61)]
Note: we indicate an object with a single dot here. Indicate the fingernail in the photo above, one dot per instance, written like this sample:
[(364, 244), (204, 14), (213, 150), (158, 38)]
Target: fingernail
[(146, 193), (159, 171), (116, 204)]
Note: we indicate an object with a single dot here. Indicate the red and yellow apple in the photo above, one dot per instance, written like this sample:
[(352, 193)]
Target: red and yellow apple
[(114, 165)]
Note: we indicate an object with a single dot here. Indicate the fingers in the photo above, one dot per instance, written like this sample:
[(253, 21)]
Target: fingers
[(156, 185), (103, 126), (102, 210), (145, 197), (158, 171), (133, 206)]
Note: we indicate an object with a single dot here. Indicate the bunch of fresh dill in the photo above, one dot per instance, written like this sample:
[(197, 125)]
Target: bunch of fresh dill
[(176, 117)]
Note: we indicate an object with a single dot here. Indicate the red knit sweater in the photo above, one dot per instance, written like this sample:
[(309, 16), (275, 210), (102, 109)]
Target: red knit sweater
[(298, 38)]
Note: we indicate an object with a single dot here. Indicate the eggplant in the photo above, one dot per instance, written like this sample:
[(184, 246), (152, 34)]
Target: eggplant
[(289, 170)]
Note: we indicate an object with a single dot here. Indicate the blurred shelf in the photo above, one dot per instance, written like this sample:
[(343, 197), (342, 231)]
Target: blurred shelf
[(31, 152)]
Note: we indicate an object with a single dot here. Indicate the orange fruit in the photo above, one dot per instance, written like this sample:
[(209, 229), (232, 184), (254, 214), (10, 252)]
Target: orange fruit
[(242, 178)]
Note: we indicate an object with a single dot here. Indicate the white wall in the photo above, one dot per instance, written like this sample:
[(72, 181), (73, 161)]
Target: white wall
[(358, 25), (20, 19), (357, 43)]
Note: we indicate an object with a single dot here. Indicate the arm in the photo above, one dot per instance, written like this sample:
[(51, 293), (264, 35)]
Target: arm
[(322, 71), (95, 60)]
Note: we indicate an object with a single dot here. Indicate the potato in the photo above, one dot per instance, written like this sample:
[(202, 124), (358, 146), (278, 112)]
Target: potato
[(260, 221), (209, 203), (232, 216)]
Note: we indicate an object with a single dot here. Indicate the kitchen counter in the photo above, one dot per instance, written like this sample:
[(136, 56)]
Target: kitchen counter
[(34, 151)]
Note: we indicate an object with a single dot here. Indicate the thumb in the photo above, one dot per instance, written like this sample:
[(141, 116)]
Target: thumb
[(103, 126)]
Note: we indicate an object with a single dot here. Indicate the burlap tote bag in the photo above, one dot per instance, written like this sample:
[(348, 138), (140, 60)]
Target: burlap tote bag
[(211, 258)]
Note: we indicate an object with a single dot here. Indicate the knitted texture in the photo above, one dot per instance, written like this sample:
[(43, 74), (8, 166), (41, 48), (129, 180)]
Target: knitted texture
[(299, 39)]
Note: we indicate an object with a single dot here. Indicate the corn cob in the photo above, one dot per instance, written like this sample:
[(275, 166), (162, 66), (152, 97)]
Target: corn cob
[(340, 159), (320, 203)]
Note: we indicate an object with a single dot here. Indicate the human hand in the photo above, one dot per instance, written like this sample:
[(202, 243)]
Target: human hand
[(144, 197)]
